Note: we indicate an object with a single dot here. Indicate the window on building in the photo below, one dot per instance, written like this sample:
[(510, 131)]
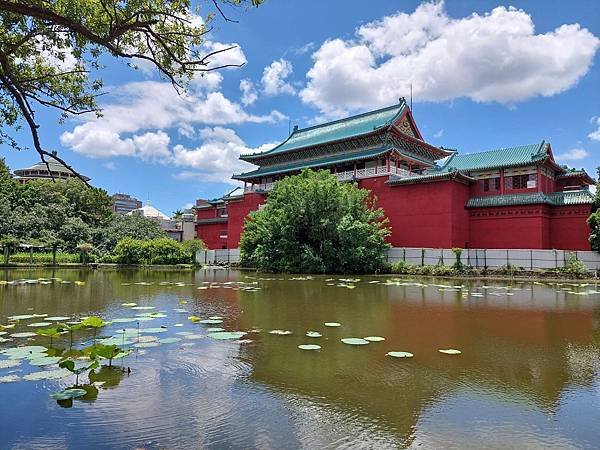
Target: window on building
[(490, 184), (222, 212), (521, 181)]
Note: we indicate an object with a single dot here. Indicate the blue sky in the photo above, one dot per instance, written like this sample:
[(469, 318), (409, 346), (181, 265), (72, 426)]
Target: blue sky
[(485, 75)]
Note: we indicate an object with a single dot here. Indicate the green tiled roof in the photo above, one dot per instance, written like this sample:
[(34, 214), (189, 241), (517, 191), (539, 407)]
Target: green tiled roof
[(336, 130), (566, 198), (428, 177), (503, 157), (318, 162)]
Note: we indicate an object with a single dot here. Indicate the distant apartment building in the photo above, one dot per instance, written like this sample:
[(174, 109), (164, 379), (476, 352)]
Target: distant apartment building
[(123, 203)]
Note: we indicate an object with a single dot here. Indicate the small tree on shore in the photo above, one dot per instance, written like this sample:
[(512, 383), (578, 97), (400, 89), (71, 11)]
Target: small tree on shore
[(312, 223), (594, 219)]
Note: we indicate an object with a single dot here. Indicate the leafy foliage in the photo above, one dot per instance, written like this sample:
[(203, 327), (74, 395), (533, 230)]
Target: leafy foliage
[(154, 251), (594, 219), (312, 223), (133, 226), (49, 50)]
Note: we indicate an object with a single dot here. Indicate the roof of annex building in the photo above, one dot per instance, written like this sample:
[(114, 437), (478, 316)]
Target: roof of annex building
[(40, 168), (335, 131), (564, 198), (503, 157)]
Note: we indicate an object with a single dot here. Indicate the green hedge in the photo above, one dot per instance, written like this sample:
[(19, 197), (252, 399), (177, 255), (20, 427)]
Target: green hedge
[(153, 251), (44, 258)]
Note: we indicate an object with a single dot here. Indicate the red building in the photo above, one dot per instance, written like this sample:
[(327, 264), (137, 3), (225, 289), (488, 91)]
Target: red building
[(514, 197)]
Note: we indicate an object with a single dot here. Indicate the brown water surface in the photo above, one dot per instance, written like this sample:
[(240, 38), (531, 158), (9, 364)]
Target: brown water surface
[(528, 375)]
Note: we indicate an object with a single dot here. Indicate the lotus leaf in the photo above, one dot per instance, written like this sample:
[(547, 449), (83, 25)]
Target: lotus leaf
[(9, 379), (309, 347), (354, 341), (47, 375), (374, 338), (153, 330), (450, 351), (24, 334), (147, 339), (146, 344), (129, 304), (226, 335), (8, 363), (171, 340), (214, 330), (143, 307), (333, 324), (44, 360), (399, 354), (57, 318), (211, 321), (194, 337), (313, 334), (280, 332)]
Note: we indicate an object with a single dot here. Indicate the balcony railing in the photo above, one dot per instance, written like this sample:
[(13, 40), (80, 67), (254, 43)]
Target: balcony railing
[(345, 176)]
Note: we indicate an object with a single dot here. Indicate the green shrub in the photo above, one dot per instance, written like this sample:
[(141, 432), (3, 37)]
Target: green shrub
[(401, 267), (458, 263), (575, 268), (162, 251), (46, 258)]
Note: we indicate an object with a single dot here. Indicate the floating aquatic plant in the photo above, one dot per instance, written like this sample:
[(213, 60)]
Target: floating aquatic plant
[(69, 394), (105, 351), (399, 354), (309, 347), (280, 332), (69, 365), (313, 334), (94, 322), (333, 324), (354, 341), (50, 332), (374, 338), (226, 335), (450, 351)]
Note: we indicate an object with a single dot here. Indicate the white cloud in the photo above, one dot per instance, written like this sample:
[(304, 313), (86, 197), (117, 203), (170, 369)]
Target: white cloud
[(595, 135), (109, 165), (233, 56), (148, 107), (575, 154), (249, 94), (216, 158), (492, 57), (439, 133), (274, 78)]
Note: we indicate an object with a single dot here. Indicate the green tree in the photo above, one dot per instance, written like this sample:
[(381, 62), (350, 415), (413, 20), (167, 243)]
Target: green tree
[(312, 223), (193, 246), (51, 53), (133, 226), (594, 219)]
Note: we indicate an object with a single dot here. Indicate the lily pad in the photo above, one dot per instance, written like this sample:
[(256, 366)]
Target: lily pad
[(9, 379), (44, 360), (170, 340), (26, 351), (57, 318), (39, 324), (355, 341), (24, 334), (68, 394), (399, 354), (125, 319), (22, 317), (374, 338), (313, 334), (153, 330), (56, 374), (8, 363), (146, 344), (280, 332), (215, 318), (211, 321), (214, 330), (147, 339), (178, 325), (309, 347), (226, 335), (193, 337), (333, 324), (143, 307), (129, 305), (450, 351), (184, 333)]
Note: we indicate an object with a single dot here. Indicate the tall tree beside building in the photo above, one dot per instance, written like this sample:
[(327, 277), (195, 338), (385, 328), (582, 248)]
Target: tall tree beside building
[(312, 223), (594, 219)]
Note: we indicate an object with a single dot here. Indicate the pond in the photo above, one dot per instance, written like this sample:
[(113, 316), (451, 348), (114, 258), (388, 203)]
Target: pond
[(527, 375)]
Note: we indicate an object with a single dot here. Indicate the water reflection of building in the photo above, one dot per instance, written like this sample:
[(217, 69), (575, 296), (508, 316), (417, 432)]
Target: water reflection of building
[(518, 350)]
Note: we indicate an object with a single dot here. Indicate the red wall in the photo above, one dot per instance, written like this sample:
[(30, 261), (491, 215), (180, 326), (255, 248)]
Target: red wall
[(434, 215), (569, 229), (211, 234), (510, 227), (424, 214), (237, 210)]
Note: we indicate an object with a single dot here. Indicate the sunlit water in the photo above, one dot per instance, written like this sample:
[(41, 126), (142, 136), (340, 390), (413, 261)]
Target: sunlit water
[(528, 375)]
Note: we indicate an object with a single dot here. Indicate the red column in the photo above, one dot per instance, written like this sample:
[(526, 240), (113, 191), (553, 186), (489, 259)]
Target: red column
[(501, 181), (538, 182)]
